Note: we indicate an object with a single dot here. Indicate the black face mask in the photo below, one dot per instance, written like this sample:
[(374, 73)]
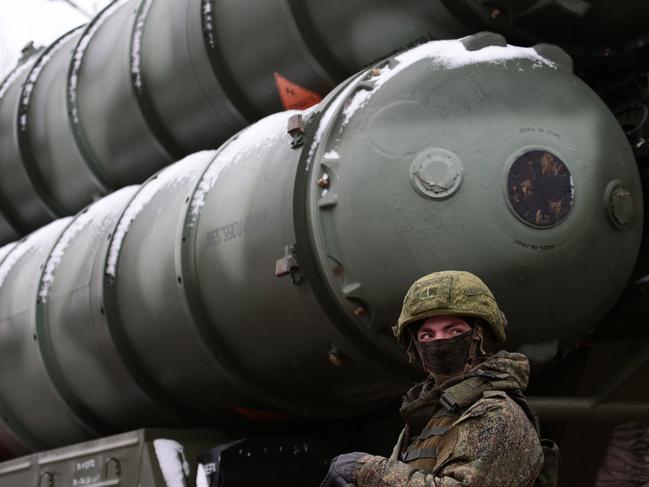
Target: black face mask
[(445, 358)]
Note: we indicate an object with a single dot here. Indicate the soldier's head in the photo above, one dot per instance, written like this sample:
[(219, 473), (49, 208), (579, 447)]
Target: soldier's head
[(450, 321)]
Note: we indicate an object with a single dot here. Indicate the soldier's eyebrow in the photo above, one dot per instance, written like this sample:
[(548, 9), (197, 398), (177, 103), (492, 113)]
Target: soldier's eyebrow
[(454, 323)]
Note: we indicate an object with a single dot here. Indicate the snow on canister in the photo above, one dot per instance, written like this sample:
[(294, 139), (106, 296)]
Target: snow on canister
[(96, 383), (172, 176), (96, 219)]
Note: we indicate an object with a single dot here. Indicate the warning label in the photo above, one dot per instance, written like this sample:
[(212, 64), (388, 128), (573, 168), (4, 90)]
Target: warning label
[(294, 96)]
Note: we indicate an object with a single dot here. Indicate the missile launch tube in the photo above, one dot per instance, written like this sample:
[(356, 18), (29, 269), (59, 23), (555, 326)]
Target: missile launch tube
[(19, 272), (109, 127), (57, 170), (22, 206), (150, 81), (266, 275)]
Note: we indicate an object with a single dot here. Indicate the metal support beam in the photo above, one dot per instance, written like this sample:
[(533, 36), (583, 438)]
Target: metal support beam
[(585, 409)]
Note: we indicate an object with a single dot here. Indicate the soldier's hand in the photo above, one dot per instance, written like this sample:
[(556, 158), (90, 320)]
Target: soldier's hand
[(343, 470)]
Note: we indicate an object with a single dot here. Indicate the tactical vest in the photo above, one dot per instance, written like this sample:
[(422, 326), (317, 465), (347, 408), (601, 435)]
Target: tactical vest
[(433, 445)]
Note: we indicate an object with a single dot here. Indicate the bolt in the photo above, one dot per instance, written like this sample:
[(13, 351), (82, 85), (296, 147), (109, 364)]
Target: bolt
[(335, 356), (437, 175), (621, 206), (359, 311), (335, 360), (375, 71), (323, 182)]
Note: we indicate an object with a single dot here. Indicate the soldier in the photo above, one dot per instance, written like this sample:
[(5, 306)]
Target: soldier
[(468, 423)]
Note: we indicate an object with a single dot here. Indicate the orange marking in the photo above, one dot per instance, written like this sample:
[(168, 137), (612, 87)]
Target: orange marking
[(294, 96)]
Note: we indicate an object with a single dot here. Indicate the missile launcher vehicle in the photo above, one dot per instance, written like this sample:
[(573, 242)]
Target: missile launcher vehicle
[(249, 289)]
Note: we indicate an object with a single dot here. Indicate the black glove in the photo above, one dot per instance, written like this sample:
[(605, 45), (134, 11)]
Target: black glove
[(343, 470)]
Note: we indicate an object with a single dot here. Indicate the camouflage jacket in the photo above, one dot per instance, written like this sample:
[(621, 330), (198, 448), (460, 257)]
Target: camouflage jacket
[(467, 432)]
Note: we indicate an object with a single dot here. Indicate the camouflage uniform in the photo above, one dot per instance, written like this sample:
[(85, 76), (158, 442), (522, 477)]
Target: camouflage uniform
[(473, 428), (468, 432)]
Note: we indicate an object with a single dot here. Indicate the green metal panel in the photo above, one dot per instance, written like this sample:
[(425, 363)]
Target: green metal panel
[(134, 459)]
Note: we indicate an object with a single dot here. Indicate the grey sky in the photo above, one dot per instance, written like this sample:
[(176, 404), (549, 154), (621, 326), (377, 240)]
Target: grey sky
[(40, 21)]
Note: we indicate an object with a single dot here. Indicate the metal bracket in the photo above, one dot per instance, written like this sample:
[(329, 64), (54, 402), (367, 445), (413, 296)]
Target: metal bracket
[(118, 468), (46, 479), (295, 128), (288, 265)]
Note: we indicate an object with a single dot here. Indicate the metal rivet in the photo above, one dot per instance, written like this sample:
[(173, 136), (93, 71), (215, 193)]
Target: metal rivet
[(619, 202)]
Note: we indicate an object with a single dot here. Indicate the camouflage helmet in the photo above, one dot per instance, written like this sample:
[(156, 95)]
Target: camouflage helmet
[(456, 293)]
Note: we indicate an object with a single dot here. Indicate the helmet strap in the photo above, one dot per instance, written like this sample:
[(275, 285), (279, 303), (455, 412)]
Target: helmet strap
[(413, 355), (477, 353)]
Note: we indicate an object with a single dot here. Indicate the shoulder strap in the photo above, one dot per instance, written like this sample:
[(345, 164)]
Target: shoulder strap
[(462, 395), (417, 453)]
